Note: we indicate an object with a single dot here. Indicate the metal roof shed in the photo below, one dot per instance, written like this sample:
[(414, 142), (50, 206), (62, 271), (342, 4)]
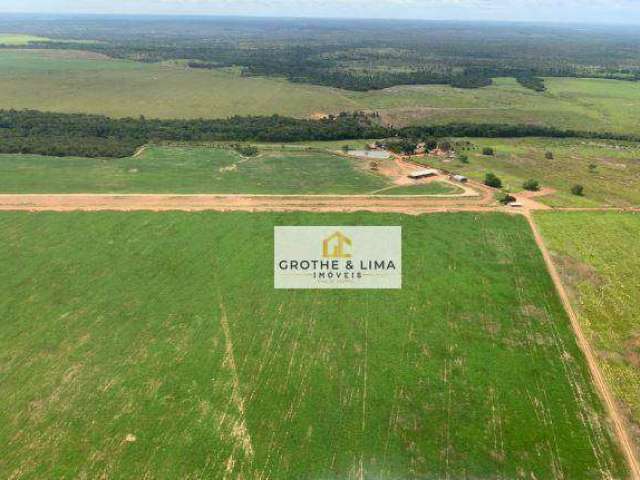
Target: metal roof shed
[(425, 172)]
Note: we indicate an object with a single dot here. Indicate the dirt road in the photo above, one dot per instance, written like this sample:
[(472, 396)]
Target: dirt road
[(319, 203)]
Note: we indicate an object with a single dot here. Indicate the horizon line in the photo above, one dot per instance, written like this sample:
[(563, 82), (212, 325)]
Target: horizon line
[(605, 23)]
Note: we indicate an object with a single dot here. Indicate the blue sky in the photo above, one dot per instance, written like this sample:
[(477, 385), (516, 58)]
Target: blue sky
[(594, 11)]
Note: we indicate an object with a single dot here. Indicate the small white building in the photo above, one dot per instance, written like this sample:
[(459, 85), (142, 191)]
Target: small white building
[(459, 178), (423, 173)]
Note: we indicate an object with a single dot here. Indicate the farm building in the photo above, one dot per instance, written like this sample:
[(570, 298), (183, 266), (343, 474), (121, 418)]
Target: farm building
[(423, 173), (421, 148), (439, 152), (459, 178)]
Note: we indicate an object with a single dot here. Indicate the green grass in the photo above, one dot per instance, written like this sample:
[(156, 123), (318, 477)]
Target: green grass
[(294, 168), (583, 104), (598, 254), (19, 40), (614, 182), (22, 40), (431, 188), (123, 88), (190, 170), (114, 324), (73, 82)]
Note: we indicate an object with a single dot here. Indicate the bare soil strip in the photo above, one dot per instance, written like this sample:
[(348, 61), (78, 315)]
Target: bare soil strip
[(320, 203), (139, 151), (616, 417), (239, 429)]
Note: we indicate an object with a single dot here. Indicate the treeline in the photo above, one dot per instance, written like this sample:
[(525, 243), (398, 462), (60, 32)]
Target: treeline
[(203, 65), (363, 81), (533, 83), (60, 134), (491, 130), (69, 146)]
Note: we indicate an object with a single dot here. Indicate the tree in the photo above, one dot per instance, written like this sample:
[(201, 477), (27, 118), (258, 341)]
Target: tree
[(488, 151), (431, 144), (409, 148), (548, 155), (444, 146), (404, 146), (246, 150), (506, 199), (577, 190), (533, 83), (491, 180), (531, 185)]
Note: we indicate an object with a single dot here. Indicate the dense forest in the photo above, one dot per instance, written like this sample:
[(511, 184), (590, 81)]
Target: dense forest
[(59, 134), (353, 55)]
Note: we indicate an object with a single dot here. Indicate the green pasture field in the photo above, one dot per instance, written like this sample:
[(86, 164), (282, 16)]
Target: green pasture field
[(123, 88), (581, 104), (190, 170), (153, 345), (278, 169), (70, 81), (598, 254), (20, 40), (613, 182)]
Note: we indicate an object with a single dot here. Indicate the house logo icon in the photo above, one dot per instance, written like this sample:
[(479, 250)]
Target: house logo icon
[(335, 246)]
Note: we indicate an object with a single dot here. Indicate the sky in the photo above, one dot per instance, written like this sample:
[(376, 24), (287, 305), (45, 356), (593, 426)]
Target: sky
[(573, 11)]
